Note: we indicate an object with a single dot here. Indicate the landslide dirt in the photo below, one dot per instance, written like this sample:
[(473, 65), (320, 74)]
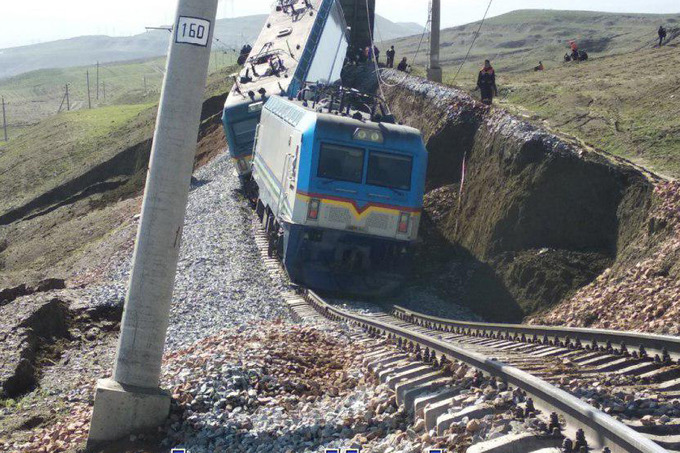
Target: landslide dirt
[(641, 291), (539, 216)]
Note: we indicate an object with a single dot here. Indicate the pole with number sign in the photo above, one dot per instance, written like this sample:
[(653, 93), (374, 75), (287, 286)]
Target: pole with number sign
[(132, 400)]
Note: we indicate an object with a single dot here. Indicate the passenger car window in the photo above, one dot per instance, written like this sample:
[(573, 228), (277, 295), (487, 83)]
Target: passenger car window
[(389, 170), (342, 163), (244, 131)]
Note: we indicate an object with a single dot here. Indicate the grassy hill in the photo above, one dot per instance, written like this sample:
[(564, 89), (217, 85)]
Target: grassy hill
[(231, 34), (518, 40), (624, 100), (628, 104), (71, 179), (37, 95)]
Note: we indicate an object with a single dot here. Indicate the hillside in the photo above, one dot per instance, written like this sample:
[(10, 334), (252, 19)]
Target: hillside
[(86, 50), (71, 180), (37, 95), (624, 100), (518, 40), (628, 104), (386, 30)]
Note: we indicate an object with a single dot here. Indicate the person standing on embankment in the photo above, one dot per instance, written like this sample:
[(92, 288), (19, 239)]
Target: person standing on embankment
[(486, 83), (662, 35)]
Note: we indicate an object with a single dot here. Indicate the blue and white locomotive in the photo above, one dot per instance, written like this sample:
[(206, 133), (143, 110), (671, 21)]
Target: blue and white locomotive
[(302, 41), (340, 190)]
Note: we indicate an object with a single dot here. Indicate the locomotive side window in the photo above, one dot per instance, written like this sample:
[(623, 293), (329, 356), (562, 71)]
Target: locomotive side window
[(341, 163), (244, 131), (389, 170)]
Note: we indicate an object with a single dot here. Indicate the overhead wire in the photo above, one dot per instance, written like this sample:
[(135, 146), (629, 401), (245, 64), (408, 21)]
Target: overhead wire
[(382, 81), (372, 49), (479, 29)]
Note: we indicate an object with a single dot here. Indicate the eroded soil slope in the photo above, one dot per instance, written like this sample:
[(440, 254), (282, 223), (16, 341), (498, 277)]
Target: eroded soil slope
[(538, 216), (642, 290)]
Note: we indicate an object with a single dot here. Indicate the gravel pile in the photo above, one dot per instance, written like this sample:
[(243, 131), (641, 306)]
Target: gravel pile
[(247, 390), (221, 282)]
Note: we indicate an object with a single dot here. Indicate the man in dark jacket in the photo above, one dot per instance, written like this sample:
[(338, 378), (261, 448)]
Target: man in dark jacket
[(662, 35), (390, 57), (486, 83), (403, 66)]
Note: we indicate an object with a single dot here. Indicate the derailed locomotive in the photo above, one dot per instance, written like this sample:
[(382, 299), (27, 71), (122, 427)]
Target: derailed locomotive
[(340, 191), (302, 41)]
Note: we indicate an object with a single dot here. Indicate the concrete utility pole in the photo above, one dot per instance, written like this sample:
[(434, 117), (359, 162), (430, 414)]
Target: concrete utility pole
[(132, 399), (434, 71), (68, 101), (4, 118), (89, 101), (97, 80)]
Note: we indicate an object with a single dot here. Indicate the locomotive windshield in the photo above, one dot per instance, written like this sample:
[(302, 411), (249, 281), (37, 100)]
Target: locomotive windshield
[(389, 170), (244, 131), (341, 163)]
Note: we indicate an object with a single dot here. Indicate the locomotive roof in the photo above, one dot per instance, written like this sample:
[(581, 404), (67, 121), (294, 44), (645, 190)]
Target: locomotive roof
[(283, 35), (294, 110)]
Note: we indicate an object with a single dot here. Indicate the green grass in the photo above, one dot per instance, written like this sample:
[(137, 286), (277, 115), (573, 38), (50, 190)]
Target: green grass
[(627, 105), (60, 147), (63, 146), (37, 95), (516, 41)]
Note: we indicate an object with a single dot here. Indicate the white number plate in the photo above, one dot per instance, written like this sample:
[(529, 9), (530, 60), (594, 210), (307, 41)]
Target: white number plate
[(192, 30)]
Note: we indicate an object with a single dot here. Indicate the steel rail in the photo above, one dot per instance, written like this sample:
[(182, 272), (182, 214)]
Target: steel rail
[(600, 428), (651, 344)]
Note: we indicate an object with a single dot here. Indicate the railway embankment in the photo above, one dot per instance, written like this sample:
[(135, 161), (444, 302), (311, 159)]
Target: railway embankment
[(540, 220)]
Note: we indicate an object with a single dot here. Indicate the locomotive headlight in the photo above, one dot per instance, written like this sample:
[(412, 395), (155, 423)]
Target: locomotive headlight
[(404, 219), (313, 209), (256, 107), (368, 135)]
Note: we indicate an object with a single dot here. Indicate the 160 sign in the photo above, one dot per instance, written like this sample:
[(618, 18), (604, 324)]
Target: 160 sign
[(192, 30)]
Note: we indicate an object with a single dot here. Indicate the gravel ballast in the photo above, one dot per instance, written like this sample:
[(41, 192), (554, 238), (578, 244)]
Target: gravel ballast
[(221, 281)]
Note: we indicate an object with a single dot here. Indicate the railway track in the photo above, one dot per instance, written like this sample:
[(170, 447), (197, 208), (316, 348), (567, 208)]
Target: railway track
[(537, 368), (536, 361)]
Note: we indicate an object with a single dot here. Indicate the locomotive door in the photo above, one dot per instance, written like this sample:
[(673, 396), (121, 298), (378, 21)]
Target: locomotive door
[(294, 152), (293, 162)]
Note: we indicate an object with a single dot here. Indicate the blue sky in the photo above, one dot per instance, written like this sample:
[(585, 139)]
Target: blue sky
[(45, 20)]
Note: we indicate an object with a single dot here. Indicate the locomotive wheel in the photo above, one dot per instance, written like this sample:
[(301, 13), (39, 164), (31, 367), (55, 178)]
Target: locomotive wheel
[(269, 222), (271, 239), (270, 248), (259, 210), (279, 245)]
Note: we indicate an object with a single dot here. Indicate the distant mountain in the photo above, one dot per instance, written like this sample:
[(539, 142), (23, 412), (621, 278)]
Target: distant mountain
[(412, 27), (387, 30), (86, 50)]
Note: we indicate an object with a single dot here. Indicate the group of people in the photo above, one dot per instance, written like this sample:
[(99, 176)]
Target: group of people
[(360, 55)]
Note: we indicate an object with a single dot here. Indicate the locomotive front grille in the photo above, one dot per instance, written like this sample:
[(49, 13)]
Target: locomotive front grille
[(339, 215), (378, 221)]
